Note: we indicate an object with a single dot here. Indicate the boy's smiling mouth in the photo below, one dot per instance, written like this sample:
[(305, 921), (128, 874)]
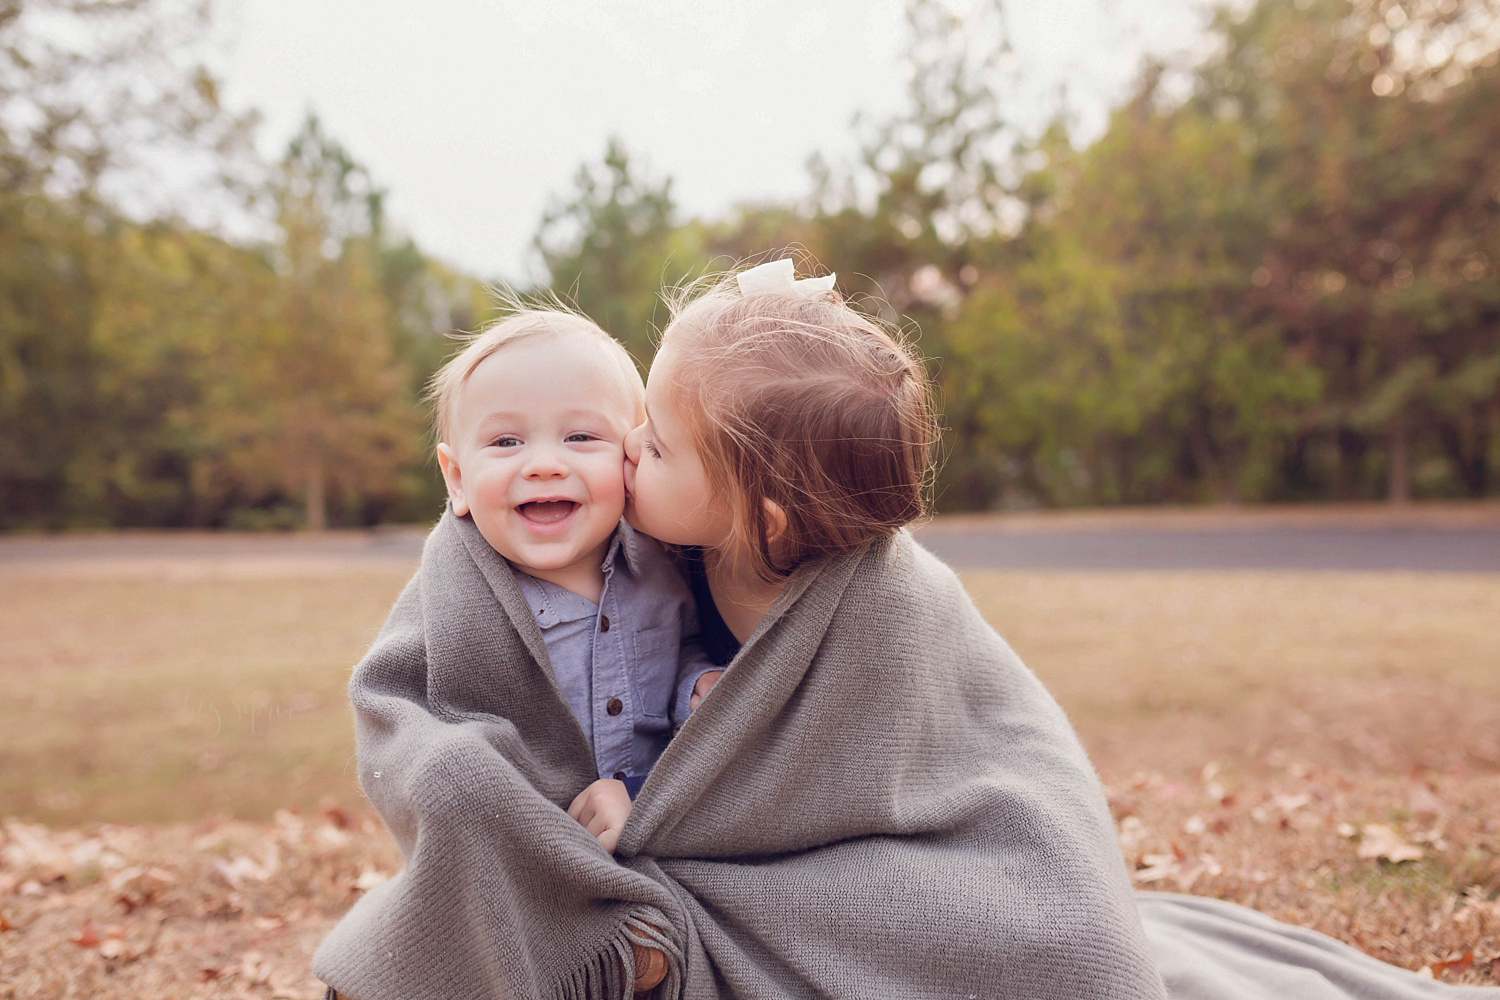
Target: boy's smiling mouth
[(546, 512)]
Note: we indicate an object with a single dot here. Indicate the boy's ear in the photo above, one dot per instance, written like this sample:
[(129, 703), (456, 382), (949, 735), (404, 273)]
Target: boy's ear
[(453, 478), (775, 520)]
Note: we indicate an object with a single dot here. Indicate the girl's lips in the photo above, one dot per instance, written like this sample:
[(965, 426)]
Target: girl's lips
[(547, 516)]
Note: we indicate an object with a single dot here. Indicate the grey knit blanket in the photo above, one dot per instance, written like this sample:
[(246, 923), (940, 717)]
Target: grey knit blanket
[(877, 801)]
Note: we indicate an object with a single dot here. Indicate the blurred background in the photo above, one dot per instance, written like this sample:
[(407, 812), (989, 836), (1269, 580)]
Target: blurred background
[(1233, 262), (1153, 252)]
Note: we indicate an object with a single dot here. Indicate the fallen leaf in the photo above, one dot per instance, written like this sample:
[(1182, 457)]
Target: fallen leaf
[(1132, 833), (237, 871), (1422, 800), (254, 968), (1376, 840), (1454, 965), (1290, 803), (86, 937), (369, 879), (338, 817), (1157, 867)]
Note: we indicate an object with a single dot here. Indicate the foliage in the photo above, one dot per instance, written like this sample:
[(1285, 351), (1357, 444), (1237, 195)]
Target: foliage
[(324, 408), (608, 248), (1271, 277)]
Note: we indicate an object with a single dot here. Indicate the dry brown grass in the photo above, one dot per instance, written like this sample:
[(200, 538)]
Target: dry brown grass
[(1258, 733), (155, 699), (1254, 732)]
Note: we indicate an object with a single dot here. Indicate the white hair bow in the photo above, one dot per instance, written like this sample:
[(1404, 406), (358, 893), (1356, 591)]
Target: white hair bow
[(778, 277)]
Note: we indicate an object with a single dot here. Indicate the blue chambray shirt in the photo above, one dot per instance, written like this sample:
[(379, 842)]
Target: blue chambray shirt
[(627, 665)]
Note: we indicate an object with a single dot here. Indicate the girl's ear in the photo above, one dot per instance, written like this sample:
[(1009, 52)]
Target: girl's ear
[(453, 478), (775, 520)]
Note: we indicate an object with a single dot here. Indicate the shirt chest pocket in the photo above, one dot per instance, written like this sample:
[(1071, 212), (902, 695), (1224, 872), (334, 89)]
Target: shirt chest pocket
[(655, 675)]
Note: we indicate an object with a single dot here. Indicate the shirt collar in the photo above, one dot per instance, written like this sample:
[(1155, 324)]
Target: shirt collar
[(627, 540), (552, 604)]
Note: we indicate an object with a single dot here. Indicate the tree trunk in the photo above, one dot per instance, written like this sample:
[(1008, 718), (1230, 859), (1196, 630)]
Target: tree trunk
[(1467, 442), (1349, 483), (315, 500), (1400, 479)]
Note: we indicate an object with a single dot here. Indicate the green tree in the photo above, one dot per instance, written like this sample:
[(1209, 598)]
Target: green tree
[(1281, 287), (322, 408), (923, 213), (609, 247), (88, 91), (1373, 131), (49, 403)]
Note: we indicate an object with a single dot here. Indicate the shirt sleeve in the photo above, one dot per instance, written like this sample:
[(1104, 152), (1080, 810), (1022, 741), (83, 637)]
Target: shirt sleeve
[(693, 663)]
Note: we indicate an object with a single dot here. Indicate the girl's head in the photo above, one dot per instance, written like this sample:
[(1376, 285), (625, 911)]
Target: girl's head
[(781, 426)]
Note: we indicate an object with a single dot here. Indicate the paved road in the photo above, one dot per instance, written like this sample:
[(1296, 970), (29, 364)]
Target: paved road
[(1468, 550), (965, 544)]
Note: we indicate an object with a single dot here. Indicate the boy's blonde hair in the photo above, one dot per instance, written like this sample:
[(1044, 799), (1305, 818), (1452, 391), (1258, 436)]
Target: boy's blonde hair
[(522, 323), (807, 403)]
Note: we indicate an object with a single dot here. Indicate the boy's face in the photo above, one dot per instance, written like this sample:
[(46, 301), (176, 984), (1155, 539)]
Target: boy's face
[(536, 454)]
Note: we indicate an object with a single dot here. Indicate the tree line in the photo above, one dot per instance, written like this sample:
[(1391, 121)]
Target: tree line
[(1272, 277)]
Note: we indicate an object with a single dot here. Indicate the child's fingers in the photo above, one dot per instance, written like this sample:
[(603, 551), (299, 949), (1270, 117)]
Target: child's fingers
[(601, 809), (583, 806), (704, 684), (607, 834)]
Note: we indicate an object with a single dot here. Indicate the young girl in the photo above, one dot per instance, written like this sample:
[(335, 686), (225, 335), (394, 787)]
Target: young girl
[(877, 798)]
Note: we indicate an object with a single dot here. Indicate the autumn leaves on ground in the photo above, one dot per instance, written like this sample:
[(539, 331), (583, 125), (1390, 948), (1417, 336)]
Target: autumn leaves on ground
[(184, 823)]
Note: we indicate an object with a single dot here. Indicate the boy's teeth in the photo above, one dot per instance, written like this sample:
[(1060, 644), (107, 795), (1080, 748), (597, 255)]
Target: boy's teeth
[(547, 511)]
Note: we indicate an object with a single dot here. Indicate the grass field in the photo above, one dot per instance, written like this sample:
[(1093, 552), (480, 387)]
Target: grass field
[(1280, 740)]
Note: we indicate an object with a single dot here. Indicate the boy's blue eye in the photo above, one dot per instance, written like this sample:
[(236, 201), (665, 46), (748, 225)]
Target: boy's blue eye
[(505, 441), (575, 438)]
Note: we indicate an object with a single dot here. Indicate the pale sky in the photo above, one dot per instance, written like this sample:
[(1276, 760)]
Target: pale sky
[(474, 114)]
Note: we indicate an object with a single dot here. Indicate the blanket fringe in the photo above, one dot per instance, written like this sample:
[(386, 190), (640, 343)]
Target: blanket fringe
[(610, 975)]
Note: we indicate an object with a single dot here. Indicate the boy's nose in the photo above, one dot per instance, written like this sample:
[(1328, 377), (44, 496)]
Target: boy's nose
[(545, 463)]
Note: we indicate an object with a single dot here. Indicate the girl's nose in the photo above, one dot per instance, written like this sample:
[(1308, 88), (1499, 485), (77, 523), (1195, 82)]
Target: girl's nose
[(633, 444)]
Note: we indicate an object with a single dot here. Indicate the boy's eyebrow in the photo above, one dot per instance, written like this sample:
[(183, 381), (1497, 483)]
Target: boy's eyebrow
[(570, 413)]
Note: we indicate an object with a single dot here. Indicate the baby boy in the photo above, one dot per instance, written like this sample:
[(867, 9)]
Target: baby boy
[(531, 423)]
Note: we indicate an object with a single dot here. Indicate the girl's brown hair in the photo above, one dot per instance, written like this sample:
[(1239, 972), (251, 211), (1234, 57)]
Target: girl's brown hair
[(810, 404)]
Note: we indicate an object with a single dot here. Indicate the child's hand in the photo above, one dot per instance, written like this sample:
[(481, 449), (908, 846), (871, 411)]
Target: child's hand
[(603, 808), (704, 685)]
